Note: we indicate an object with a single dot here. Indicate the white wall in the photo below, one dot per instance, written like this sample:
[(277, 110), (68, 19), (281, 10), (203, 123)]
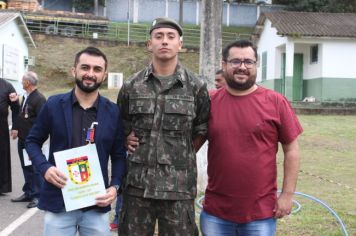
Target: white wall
[(336, 57), (339, 59), (11, 36), (269, 41)]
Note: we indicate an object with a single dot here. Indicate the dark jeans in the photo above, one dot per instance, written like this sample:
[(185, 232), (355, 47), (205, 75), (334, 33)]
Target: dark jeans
[(117, 209), (33, 178)]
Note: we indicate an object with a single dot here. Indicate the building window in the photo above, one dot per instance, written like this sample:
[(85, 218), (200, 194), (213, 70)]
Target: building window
[(264, 66), (314, 53)]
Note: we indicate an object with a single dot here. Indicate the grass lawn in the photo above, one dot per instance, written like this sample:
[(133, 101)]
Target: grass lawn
[(327, 172)]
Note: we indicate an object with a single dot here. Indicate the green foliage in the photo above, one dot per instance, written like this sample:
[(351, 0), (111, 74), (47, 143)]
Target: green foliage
[(281, 2), (295, 35), (320, 5)]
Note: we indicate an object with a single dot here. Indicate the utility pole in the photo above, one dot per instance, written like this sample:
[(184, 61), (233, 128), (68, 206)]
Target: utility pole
[(210, 39)]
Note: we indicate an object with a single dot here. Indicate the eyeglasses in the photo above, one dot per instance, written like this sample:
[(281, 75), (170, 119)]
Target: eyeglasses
[(238, 63)]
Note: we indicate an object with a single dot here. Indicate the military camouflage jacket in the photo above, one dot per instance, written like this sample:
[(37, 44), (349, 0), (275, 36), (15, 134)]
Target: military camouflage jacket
[(165, 119)]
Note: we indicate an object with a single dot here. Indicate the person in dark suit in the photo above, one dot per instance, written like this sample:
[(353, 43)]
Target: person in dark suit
[(31, 105), (7, 99), (67, 119)]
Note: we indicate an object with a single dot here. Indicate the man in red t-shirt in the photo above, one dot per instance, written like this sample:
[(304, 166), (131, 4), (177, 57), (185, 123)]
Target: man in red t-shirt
[(245, 126)]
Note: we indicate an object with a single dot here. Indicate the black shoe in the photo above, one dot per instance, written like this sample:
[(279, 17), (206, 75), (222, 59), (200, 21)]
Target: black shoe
[(22, 198), (33, 203)]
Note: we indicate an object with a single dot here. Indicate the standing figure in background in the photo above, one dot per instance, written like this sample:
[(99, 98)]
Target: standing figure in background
[(30, 107), (219, 82), (115, 222), (8, 98), (219, 79)]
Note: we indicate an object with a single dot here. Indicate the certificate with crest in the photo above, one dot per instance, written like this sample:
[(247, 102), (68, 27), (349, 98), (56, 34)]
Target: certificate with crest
[(85, 180)]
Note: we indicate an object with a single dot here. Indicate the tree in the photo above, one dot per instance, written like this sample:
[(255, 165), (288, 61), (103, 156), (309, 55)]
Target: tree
[(210, 39), (181, 12), (281, 2), (96, 7)]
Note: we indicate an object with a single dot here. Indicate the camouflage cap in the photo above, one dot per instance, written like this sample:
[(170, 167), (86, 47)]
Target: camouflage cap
[(164, 22)]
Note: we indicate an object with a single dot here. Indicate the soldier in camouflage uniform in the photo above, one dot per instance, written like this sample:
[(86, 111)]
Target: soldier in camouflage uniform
[(167, 108)]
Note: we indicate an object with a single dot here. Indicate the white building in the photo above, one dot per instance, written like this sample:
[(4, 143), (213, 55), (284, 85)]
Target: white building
[(305, 54), (14, 42)]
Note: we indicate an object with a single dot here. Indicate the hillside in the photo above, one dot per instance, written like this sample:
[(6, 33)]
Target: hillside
[(55, 57)]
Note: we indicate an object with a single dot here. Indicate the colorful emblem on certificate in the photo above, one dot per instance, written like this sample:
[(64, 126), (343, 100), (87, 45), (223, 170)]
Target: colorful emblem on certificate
[(79, 170)]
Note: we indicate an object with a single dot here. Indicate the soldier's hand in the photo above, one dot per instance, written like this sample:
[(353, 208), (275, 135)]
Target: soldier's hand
[(55, 177), (104, 200), (132, 142), (14, 133)]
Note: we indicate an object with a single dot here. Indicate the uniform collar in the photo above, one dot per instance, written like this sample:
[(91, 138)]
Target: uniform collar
[(178, 74)]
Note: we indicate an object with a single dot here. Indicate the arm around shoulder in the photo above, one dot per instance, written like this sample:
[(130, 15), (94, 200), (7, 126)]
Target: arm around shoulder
[(200, 123)]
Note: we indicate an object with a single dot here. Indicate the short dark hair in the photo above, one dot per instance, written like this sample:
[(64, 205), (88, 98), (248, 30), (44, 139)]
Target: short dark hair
[(219, 72), (93, 51), (238, 44)]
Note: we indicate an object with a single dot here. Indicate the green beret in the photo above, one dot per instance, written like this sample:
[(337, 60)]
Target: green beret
[(164, 22)]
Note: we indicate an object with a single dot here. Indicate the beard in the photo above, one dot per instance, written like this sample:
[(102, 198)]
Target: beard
[(86, 88), (237, 85)]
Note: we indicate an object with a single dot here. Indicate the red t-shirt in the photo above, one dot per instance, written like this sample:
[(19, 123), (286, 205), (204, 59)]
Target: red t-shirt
[(212, 92), (244, 132)]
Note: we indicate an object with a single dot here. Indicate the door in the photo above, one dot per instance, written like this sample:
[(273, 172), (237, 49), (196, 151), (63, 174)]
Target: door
[(298, 77)]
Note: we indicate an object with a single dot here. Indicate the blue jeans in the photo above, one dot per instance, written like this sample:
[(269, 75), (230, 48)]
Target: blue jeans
[(214, 226), (86, 223)]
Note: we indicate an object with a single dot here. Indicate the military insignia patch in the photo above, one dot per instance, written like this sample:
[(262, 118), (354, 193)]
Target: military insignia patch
[(79, 170)]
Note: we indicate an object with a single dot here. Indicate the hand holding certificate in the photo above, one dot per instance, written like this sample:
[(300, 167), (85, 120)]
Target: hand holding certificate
[(85, 180)]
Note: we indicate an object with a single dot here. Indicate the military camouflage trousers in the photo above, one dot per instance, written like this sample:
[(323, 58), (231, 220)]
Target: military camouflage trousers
[(138, 216)]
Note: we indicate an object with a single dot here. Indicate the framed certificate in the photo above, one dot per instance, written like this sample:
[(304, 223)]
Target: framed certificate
[(85, 181)]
